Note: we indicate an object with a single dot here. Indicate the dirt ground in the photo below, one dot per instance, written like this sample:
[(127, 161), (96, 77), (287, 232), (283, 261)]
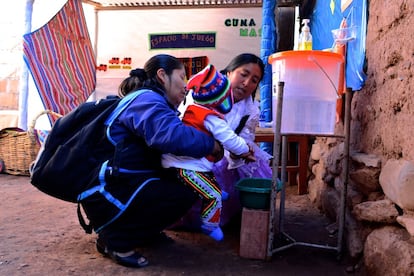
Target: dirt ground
[(40, 235)]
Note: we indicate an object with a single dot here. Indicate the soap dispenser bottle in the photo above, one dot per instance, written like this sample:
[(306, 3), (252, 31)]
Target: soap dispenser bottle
[(305, 37)]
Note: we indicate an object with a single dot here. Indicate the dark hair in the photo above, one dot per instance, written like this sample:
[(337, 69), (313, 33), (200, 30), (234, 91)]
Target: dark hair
[(243, 59), (135, 81), (147, 77)]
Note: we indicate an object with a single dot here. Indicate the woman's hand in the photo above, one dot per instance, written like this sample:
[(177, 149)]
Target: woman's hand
[(247, 157)]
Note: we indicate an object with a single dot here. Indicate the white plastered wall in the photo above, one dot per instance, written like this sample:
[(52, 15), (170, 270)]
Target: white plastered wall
[(126, 34)]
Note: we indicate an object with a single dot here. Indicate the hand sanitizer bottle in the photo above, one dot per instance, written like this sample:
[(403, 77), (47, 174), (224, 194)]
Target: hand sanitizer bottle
[(305, 37)]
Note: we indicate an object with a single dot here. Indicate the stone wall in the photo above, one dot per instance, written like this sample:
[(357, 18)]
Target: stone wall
[(379, 205), (379, 226)]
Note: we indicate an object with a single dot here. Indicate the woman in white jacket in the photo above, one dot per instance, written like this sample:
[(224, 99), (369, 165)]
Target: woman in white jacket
[(245, 72)]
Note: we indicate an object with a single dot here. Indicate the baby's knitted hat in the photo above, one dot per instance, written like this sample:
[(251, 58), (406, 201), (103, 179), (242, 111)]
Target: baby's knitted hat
[(212, 89)]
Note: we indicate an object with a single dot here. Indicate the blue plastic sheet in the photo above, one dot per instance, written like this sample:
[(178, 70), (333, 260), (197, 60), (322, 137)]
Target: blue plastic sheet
[(268, 47), (327, 16)]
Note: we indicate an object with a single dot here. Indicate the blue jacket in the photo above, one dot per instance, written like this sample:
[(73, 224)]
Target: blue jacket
[(150, 127)]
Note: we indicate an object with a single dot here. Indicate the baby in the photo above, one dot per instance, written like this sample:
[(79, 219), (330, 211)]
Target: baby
[(212, 97)]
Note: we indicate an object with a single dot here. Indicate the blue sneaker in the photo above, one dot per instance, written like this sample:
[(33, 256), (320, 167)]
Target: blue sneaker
[(224, 195), (213, 232)]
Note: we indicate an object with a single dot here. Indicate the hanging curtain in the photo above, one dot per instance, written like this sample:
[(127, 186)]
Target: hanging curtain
[(61, 60)]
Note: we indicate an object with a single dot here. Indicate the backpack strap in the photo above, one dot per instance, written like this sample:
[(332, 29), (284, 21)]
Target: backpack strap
[(117, 160), (241, 124), (123, 103)]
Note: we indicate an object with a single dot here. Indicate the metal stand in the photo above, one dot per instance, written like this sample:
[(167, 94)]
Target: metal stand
[(282, 235)]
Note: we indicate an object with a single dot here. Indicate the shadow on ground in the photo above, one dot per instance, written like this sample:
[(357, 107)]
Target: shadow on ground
[(40, 235)]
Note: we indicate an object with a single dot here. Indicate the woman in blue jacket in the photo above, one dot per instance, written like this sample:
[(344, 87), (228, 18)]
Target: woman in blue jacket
[(144, 198)]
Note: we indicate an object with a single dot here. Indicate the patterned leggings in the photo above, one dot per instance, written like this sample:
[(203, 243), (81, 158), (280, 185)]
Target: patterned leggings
[(206, 186)]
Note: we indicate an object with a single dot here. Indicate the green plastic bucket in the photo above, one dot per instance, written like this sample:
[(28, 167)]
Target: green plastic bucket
[(254, 193)]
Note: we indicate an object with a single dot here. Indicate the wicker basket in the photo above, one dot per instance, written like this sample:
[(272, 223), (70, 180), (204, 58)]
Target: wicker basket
[(19, 148)]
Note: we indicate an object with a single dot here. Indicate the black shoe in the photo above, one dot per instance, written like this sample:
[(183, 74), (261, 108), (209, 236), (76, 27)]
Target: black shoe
[(134, 259)]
